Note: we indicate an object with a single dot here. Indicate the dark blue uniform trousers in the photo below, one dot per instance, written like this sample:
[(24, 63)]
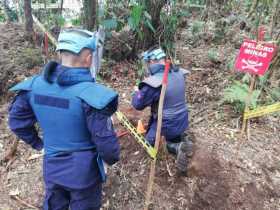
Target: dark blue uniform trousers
[(72, 180), (61, 198)]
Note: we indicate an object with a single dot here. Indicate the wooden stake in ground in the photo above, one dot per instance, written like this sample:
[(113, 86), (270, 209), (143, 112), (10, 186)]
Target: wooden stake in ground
[(248, 101), (158, 135), (42, 28), (246, 123), (46, 46)]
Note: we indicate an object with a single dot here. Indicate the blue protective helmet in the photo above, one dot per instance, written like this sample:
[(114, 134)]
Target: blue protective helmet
[(74, 40), (155, 54)]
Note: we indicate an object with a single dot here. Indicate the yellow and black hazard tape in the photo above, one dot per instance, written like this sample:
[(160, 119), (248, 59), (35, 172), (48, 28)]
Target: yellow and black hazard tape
[(262, 111), (140, 139)]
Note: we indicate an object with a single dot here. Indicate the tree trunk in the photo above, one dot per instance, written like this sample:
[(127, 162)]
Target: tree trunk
[(154, 9), (90, 8), (92, 16), (28, 19), (61, 6)]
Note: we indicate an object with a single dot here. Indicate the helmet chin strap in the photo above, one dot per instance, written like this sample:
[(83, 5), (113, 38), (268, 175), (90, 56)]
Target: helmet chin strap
[(93, 67)]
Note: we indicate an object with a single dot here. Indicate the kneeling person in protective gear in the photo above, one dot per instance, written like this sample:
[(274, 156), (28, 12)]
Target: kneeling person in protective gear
[(74, 113), (175, 113)]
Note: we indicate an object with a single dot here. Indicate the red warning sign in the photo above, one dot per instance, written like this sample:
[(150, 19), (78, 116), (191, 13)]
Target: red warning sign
[(254, 57)]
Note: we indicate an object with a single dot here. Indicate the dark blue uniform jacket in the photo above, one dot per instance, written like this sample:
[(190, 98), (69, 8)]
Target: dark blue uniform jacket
[(78, 169), (148, 96)]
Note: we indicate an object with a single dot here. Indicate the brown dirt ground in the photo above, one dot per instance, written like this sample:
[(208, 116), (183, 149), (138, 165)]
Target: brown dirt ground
[(226, 172)]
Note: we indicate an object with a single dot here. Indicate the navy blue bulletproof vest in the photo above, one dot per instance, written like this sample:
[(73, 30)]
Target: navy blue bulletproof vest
[(175, 100), (58, 109)]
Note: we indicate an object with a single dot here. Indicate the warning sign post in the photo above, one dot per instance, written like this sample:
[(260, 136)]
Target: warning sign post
[(254, 58)]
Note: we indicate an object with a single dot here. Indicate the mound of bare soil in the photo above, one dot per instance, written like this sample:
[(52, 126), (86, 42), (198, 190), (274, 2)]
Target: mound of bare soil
[(18, 57)]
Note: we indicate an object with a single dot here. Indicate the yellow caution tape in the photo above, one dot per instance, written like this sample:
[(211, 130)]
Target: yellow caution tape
[(140, 139), (262, 111)]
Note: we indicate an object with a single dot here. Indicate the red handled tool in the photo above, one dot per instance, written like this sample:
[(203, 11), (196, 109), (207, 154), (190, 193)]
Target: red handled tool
[(158, 134)]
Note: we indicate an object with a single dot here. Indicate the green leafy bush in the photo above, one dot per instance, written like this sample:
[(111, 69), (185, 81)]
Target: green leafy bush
[(197, 27), (171, 21), (110, 24), (76, 21), (2, 16), (56, 19), (11, 13), (230, 62), (213, 55), (237, 95), (138, 19), (274, 94)]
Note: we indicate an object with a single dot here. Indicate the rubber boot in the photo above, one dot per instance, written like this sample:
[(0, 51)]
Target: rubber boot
[(189, 147), (172, 147), (184, 152), (182, 159)]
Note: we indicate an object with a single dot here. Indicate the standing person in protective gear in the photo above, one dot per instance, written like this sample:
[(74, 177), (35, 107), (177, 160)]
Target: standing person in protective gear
[(175, 113), (74, 113)]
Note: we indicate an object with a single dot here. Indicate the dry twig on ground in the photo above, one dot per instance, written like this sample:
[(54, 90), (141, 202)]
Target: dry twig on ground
[(24, 203), (12, 151)]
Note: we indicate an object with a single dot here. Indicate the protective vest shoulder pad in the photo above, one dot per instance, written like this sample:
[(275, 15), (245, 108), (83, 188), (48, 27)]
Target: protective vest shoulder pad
[(97, 95), (24, 85), (154, 81)]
